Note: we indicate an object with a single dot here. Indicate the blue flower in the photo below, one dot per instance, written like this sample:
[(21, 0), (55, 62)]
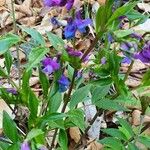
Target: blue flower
[(77, 24), (63, 83), (12, 91)]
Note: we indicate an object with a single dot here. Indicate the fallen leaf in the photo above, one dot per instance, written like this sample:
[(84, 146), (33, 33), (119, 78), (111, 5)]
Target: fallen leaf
[(75, 134)]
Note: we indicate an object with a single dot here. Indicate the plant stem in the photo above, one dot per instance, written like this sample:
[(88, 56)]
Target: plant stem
[(17, 47), (99, 112), (90, 48), (64, 108), (128, 71)]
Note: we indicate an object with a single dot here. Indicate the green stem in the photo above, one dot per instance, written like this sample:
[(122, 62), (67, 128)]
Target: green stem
[(17, 47)]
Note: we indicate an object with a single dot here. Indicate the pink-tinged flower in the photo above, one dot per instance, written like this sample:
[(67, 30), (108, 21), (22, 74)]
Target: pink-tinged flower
[(77, 24), (144, 55), (63, 83), (61, 3), (25, 146), (50, 65)]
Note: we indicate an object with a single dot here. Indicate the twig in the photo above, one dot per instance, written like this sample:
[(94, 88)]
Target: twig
[(99, 112), (128, 71)]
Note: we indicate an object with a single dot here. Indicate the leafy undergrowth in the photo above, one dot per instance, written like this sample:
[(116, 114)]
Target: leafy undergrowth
[(74, 75)]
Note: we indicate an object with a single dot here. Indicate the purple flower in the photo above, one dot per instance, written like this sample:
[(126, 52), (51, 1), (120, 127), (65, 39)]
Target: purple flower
[(73, 52), (12, 91), (54, 21), (77, 24), (67, 3), (126, 46), (136, 36), (103, 60), (144, 55), (25, 146), (50, 65), (63, 83), (126, 60)]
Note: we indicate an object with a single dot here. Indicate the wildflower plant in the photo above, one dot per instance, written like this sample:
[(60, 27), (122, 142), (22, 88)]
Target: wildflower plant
[(69, 77)]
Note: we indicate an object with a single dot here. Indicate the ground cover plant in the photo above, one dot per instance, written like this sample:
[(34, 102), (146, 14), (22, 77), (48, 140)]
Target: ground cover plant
[(84, 96)]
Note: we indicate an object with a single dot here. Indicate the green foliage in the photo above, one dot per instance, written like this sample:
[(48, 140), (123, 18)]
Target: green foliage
[(79, 95), (63, 140), (7, 41), (10, 128), (35, 56), (34, 34)]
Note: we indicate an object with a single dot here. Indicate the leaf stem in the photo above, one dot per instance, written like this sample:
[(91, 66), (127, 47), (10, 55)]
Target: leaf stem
[(17, 47)]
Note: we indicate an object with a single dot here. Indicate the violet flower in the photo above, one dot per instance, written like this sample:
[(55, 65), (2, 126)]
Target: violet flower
[(12, 91), (136, 36), (77, 24), (61, 3), (25, 146), (63, 83), (103, 60), (144, 55), (50, 65), (73, 52), (126, 60)]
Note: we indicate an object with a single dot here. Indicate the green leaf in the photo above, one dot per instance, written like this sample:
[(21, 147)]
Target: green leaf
[(121, 11), (58, 44), (132, 146), (63, 140), (99, 92), (55, 102), (35, 56), (113, 143), (77, 117), (2, 72), (79, 95), (126, 126), (115, 133), (3, 146), (7, 42), (33, 104), (145, 80), (25, 86), (109, 105), (104, 10), (144, 140), (51, 117), (34, 34), (123, 33), (9, 128), (44, 82), (102, 82), (34, 133), (8, 61)]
